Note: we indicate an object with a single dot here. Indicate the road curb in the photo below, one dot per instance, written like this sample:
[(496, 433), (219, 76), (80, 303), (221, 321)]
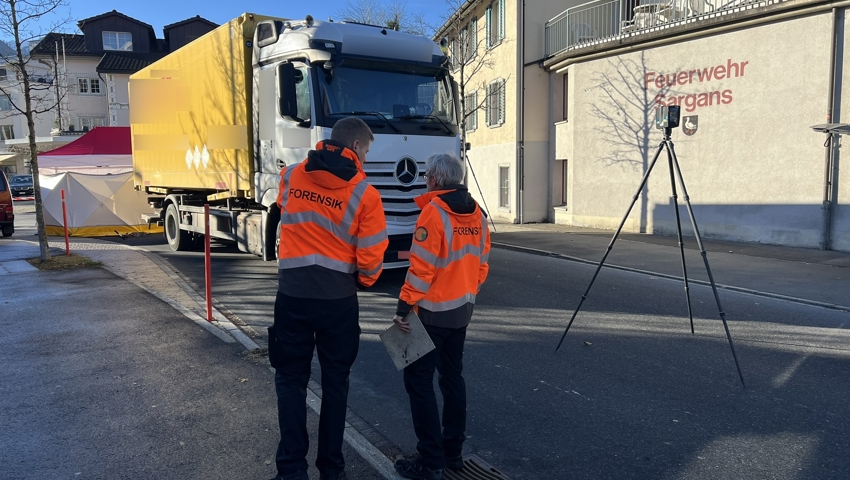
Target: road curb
[(749, 291)]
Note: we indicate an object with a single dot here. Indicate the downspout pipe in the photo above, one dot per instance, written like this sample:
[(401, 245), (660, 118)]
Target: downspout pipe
[(829, 148), (521, 117)]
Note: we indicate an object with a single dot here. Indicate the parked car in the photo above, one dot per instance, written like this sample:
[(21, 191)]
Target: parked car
[(22, 186), (7, 211)]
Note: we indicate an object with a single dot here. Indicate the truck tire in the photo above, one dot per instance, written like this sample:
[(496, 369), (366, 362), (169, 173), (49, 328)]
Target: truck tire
[(8, 230), (178, 240)]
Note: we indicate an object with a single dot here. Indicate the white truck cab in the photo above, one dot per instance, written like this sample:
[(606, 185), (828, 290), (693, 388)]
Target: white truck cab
[(310, 74)]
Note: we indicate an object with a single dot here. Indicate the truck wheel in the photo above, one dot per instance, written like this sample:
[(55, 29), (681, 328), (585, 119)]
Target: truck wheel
[(178, 240), (8, 230)]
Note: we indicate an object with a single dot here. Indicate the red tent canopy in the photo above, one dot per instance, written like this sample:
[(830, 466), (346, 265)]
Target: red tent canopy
[(99, 141), (104, 150)]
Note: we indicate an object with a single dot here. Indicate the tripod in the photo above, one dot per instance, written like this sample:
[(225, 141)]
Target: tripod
[(672, 162)]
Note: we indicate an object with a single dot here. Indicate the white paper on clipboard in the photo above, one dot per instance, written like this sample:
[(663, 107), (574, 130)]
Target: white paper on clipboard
[(406, 349)]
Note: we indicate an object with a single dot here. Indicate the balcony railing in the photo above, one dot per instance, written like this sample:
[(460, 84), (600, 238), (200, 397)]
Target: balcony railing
[(602, 20)]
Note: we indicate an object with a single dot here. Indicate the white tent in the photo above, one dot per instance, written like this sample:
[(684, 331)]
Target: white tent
[(97, 205)]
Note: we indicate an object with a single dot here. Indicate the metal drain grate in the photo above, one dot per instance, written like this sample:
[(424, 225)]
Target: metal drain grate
[(474, 468)]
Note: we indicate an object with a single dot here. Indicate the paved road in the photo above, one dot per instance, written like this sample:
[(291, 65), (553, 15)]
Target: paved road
[(632, 394)]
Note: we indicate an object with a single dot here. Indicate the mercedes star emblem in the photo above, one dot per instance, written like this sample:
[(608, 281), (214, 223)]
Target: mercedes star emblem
[(406, 171)]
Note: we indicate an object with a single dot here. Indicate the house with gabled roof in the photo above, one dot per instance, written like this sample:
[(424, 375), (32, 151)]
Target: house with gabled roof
[(93, 68), (90, 72)]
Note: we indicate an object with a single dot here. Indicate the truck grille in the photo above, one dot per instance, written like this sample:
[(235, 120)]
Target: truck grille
[(398, 200)]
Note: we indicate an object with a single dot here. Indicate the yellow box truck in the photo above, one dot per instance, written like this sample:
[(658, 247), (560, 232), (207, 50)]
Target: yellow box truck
[(215, 121)]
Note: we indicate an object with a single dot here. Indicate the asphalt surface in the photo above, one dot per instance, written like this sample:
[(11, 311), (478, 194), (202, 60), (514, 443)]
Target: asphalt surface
[(632, 393)]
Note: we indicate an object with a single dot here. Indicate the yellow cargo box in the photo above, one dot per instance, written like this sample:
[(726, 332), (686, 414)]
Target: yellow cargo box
[(191, 115)]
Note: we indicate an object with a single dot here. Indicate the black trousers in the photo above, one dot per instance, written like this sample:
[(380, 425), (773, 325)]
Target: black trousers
[(331, 326), (435, 445)]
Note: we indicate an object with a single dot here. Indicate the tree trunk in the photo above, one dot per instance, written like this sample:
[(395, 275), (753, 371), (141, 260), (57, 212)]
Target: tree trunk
[(44, 247)]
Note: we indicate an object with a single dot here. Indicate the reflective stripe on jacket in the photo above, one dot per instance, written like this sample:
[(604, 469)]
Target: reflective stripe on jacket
[(448, 263), (333, 233)]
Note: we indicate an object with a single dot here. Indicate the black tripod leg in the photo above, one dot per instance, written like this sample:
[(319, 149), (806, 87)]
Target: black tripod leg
[(679, 231), (611, 245), (479, 191), (707, 267)]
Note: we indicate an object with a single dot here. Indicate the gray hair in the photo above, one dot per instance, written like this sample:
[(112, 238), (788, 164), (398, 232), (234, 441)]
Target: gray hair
[(445, 168)]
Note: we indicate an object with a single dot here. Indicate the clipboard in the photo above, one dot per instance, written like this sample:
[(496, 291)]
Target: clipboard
[(406, 349)]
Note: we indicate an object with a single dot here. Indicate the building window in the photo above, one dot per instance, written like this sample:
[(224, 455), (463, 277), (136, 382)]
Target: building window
[(504, 187), (470, 111), (5, 103), (471, 40), (496, 103), (2, 74), (495, 23), (7, 132), (118, 41), (87, 123), (565, 108), (562, 178), (88, 86), (465, 47)]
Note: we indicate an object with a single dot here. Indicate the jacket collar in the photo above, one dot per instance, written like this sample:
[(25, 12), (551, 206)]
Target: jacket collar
[(336, 149), (426, 198)]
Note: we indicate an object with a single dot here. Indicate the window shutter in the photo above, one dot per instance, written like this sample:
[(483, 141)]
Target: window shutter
[(487, 105), (453, 50), (489, 26), (472, 102), (501, 19), (463, 38), (474, 43), (475, 112), (490, 104), (501, 87), (473, 38)]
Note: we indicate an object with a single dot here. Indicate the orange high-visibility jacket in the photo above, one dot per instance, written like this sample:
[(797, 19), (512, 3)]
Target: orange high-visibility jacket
[(333, 233), (448, 259)]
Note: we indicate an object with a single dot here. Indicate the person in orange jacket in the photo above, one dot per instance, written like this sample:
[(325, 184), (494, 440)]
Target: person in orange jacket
[(448, 265), (332, 242)]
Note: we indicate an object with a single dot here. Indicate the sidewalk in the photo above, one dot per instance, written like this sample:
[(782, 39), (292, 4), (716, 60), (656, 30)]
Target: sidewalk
[(808, 276)]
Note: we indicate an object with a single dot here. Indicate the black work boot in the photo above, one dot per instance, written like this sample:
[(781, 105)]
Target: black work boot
[(454, 464), (412, 467)]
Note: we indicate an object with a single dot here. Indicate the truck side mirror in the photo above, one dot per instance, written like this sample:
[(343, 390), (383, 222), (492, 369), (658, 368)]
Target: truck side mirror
[(288, 100)]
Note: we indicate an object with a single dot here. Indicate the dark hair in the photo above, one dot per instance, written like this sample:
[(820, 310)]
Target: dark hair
[(349, 129)]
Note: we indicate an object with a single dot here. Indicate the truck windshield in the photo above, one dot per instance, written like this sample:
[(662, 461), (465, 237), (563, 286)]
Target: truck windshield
[(410, 102)]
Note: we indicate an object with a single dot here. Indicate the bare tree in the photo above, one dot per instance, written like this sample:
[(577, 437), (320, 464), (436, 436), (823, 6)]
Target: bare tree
[(626, 109), (19, 20), (393, 15), (471, 43)]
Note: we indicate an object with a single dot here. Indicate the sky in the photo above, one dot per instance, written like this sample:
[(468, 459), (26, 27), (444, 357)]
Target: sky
[(159, 13)]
